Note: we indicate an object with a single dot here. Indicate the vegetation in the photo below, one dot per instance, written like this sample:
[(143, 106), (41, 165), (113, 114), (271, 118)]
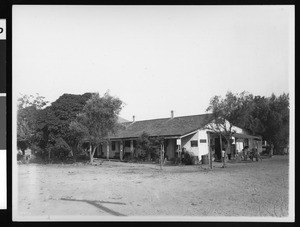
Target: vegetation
[(266, 117), (28, 108), (150, 146), (53, 140), (98, 118), (269, 117), (55, 132), (228, 112)]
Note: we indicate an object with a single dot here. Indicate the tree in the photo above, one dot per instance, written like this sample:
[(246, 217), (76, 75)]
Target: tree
[(97, 119), (228, 112), (150, 145), (28, 108), (46, 129), (269, 117), (65, 109)]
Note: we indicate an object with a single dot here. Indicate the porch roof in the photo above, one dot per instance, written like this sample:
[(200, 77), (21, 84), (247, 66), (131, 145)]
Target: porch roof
[(166, 127)]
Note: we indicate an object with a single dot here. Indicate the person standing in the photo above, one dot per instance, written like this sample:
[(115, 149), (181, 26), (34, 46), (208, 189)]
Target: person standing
[(257, 154), (272, 150)]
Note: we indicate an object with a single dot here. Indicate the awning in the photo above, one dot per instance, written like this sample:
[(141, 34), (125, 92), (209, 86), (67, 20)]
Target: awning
[(244, 136)]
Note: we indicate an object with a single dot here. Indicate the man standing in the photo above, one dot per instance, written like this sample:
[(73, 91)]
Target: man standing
[(257, 155)]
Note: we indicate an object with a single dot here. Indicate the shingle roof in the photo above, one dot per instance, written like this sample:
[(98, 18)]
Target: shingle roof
[(176, 126)]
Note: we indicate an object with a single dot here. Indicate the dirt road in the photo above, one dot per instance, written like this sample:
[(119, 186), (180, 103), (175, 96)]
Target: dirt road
[(126, 189)]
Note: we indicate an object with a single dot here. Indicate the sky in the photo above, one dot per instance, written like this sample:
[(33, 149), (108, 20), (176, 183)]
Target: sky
[(154, 58)]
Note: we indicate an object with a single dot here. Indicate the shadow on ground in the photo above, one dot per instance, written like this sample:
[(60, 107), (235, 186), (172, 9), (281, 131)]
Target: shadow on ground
[(98, 205)]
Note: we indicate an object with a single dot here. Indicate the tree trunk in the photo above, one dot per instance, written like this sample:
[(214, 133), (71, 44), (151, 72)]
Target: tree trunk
[(210, 158), (228, 149), (221, 147), (161, 157), (74, 153), (91, 154), (107, 151), (210, 151)]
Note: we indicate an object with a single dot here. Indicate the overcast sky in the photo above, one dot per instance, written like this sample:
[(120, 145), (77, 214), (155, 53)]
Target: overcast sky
[(154, 58)]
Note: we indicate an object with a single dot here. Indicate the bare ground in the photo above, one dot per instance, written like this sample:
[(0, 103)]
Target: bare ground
[(127, 189)]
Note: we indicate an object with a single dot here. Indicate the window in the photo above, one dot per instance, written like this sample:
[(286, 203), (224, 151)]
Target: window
[(194, 143), (113, 145), (202, 140)]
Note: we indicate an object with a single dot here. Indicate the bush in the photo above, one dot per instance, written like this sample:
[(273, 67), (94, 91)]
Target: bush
[(19, 157), (188, 158)]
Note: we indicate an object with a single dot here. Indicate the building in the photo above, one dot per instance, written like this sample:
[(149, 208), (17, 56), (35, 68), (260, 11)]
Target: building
[(184, 131)]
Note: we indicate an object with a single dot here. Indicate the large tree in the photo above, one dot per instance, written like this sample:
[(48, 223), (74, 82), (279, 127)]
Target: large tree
[(98, 118), (51, 137), (228, 112), (269, 117), (28, 108), (65, 109)]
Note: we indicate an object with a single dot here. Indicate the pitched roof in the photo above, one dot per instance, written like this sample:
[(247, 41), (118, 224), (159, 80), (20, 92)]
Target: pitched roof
[(177, 126)]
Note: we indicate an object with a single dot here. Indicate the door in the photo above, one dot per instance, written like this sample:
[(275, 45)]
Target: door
[(217, 148)]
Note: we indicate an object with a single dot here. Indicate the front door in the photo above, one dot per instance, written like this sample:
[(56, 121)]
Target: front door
[(217, 148)]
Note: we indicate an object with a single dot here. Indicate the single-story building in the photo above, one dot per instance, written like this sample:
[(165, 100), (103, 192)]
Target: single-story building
[(184, 131)]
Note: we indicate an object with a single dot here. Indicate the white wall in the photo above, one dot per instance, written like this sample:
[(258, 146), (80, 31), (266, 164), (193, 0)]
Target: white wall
[(202, 148), (186, 143), (239, 146)]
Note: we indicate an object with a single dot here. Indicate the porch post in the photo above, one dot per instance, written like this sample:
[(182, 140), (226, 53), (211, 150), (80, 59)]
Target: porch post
[(161, 155), (221, 146), (209, 150), (107, 150), (121, 150), (131, 148)]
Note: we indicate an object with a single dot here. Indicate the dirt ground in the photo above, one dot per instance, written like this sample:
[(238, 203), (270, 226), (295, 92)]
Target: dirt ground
[(127, 189)]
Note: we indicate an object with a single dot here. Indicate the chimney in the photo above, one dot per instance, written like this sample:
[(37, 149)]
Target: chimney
[(172, 114), (133, 118)]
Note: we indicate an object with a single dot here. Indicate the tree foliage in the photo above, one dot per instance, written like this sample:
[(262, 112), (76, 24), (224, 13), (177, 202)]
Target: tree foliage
[(98, 118), (267, 117), (46, 130), (65, 110), (28, 108), (228, 112), (149, 145)]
